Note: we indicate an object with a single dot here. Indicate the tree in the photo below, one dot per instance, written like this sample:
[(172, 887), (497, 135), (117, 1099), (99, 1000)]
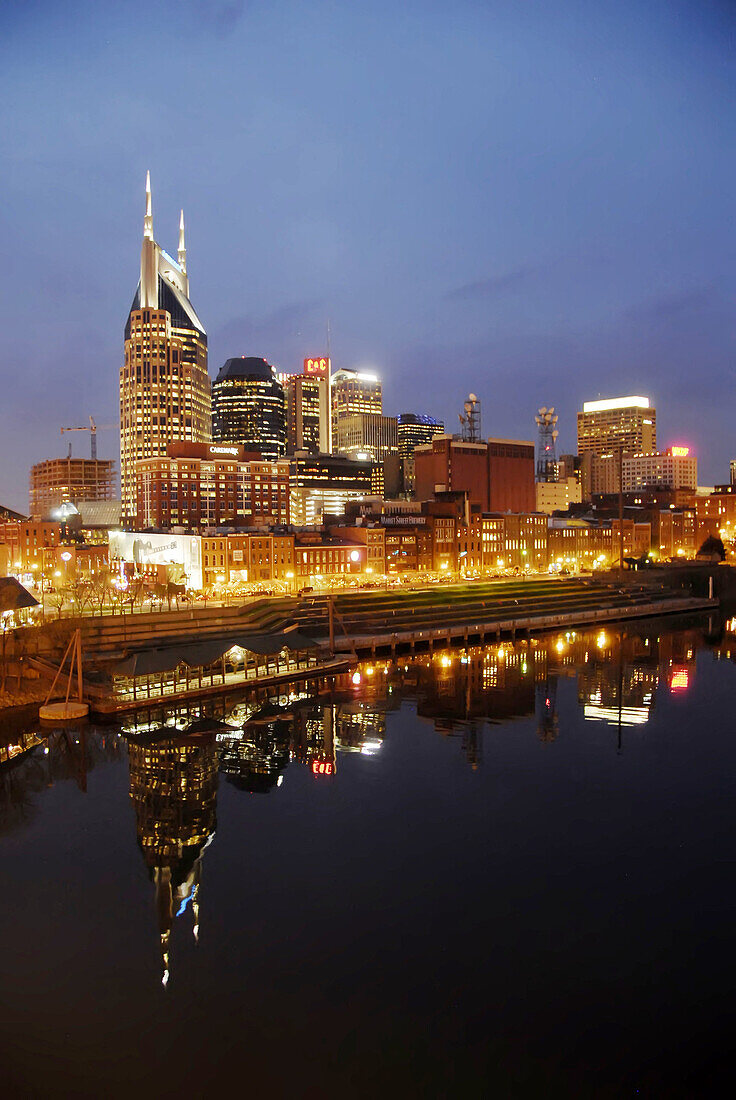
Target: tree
[(7, 604), (100, 587), (80, 594), (712, 549), (58, 598)]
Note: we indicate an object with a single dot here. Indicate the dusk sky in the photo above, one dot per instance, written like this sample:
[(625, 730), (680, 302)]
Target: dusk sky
[(533, 201)]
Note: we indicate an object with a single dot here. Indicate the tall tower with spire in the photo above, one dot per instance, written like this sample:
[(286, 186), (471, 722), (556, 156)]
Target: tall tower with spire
[(164, 384)]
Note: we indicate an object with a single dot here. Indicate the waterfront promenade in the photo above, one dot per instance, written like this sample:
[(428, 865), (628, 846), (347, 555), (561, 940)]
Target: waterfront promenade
[(345, 623)]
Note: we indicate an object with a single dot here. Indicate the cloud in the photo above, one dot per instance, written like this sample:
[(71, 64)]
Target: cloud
[(277, 335), (494, 285), (668, 307), (221, 16)]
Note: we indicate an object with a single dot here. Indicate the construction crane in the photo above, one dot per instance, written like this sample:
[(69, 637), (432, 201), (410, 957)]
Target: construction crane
[(92, 429)]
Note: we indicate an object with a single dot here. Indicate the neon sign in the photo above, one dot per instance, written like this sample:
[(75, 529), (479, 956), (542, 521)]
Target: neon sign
[(323, 767), (679, 680), (680, 452), (317, 366), (223, 450)]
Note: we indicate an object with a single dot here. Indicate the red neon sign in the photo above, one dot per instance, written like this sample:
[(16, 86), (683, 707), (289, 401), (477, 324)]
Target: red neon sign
[(323, 767), (679, 680), (317, 366)]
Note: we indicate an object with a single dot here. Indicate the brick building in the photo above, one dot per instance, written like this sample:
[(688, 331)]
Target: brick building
[(209, 485)]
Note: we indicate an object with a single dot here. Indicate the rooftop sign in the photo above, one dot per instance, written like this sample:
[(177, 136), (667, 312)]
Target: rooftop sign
[(320, 366)]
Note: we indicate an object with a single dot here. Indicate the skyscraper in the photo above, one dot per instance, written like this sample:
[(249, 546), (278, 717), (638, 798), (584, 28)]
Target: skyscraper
[(248, 407), (354, 392), (366, 435), (416, 430), (308, 412), (164, 385), (628, 422)]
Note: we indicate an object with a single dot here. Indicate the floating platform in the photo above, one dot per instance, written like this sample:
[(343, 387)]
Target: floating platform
[(63, 712)]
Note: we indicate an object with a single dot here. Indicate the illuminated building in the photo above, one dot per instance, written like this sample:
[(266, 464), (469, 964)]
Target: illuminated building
[(497, 475), (675, 532), (366, 435), (212, 484), (164, 385), (173, 788), (328, 558), (69, 480), (557, 496), (323, 484), (716, 514), (308, 408), (628, 422), (373, 537), (732, 468), (416, 430), (27, 542), (674, 468), (354, 392), (248, 559), (248, 407)]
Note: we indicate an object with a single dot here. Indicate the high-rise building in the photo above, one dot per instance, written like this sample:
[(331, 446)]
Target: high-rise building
[(354, 392), (248, 407), (366, 435), (323, 484), (164, 385), (628, 422), (674, 468), (416, 430), (69, 480), (308, 411)]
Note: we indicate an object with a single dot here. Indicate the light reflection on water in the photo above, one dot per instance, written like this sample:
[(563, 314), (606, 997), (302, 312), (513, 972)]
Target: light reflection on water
[(179, 760)]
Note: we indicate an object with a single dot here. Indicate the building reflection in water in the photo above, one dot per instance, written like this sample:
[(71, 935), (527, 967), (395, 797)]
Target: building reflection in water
[(175, 756), (173, 787)]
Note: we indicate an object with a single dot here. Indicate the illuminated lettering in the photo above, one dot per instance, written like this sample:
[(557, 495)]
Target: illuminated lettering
[(317, 366)]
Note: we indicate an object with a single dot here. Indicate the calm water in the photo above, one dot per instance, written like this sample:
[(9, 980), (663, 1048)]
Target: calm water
[(492, 872)]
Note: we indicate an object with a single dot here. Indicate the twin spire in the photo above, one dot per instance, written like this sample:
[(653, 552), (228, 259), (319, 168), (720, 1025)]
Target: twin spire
[(148, 226)]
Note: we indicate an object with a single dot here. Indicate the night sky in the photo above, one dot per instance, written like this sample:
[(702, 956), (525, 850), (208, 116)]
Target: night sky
[(533, 201)]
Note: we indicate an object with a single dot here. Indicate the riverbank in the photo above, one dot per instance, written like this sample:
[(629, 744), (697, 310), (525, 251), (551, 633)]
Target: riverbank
[(335, 626)]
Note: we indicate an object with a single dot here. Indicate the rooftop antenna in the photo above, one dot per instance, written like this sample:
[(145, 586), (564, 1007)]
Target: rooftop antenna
[(470, 420)]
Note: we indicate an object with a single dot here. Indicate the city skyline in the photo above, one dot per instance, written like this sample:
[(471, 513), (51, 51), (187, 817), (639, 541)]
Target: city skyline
[(580, 234)]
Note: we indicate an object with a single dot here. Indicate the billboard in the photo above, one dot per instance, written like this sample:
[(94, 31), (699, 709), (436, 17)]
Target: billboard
[(320, 366), (148, 550)]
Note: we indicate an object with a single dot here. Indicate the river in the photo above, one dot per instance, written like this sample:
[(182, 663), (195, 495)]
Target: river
[(499, 871)]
